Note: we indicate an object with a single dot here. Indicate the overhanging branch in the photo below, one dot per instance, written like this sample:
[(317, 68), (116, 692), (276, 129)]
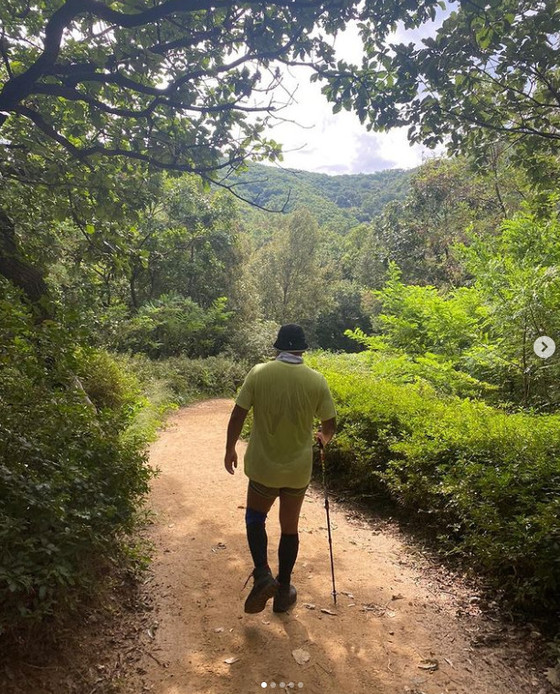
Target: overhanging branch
[(17, 88)]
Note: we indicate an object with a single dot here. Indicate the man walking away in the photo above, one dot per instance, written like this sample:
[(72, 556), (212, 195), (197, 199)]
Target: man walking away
[(286, 396)]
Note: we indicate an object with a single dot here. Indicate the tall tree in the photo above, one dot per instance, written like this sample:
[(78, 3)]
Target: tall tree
[(420, 233), (290, 278), (517, 274), (186, 244)]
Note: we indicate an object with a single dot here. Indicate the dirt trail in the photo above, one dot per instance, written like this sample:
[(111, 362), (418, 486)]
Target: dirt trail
[(394, 618)]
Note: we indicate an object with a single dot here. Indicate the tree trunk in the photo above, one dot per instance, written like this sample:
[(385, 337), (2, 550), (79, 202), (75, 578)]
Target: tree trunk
[(132, 285), (526, 374), (14, 267)]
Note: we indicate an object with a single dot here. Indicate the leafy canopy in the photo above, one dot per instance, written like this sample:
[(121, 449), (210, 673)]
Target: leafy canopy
[(491, 69), (181, 86), (192, 87)]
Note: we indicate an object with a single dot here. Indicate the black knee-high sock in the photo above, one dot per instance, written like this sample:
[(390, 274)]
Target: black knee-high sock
[(287, 555), (258, 544)]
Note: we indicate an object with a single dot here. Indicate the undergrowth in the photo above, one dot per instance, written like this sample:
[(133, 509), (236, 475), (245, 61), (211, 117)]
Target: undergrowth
[(487, 482)]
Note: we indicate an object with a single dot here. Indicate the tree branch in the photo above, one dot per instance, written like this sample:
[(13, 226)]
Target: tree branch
[(16, 89), (523, 96), (157, 163), (522, 129), (76, 95), (184, 42), (5, 56), (542, 76), (128, 83), (231, 189), (48, 130)]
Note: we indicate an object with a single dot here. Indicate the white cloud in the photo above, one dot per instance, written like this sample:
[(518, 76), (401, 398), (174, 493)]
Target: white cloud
[(318, 140)]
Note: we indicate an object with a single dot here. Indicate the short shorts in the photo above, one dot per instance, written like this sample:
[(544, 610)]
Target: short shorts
[(273, 492)]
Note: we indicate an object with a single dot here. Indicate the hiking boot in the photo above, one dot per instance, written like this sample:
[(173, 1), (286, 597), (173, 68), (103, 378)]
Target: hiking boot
[(264, 588), (285, 597)]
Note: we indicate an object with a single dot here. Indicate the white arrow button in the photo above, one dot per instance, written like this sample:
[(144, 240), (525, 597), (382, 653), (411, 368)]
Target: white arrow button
[(544, 347)]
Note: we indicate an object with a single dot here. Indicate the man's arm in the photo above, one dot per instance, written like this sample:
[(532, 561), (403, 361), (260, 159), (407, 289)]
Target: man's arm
[(236, 421), (328, 428)]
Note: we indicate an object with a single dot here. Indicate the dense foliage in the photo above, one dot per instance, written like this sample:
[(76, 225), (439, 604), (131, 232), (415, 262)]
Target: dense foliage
[(486, 482), (185, 380), (487, 329), (73, 465), (489, 70), (71, 481), (337, 202)]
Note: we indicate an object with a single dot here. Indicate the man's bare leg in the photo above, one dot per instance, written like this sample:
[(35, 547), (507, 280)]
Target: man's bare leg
[(290, 509), (257, 501)]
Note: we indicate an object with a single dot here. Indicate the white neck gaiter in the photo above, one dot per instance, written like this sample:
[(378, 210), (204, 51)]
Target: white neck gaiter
[(290, 358)]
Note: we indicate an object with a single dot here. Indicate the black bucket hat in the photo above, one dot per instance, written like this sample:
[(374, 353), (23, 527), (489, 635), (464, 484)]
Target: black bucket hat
[(291, 338)]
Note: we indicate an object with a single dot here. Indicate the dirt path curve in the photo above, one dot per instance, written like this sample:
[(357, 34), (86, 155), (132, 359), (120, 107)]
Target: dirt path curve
[(392, 624)]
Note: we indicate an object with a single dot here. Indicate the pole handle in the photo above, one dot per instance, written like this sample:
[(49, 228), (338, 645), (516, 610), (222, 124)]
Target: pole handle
[(319, 441)]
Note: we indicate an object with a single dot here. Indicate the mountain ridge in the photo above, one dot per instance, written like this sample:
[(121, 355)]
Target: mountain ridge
[(334, 199)]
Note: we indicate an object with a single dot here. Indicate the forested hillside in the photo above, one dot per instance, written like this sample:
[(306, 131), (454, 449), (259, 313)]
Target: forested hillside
[(135, 277), (335, 201)]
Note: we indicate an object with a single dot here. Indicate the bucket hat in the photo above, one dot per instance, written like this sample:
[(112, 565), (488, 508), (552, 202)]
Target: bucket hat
[(291, 338)]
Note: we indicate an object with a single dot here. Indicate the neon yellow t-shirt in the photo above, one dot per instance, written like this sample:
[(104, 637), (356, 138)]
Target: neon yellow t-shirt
[(285, 399)]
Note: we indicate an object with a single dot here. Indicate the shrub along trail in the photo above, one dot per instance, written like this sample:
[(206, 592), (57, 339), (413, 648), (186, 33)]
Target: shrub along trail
[(401, 624)]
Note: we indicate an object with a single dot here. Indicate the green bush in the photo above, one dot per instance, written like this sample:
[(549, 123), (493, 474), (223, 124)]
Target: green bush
[(252, 340), (190, 379), (174, 326), (420, 319), (433, 369), (487, 481), (108, 383), (71, 480)]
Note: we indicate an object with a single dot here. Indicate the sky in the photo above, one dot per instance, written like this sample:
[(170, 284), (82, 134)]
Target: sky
[(318, 140), (339, 143)]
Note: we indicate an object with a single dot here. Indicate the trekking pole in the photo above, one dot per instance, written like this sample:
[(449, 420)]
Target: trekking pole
[(322, 452)]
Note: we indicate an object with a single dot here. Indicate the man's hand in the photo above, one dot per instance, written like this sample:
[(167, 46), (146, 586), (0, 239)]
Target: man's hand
[(230, 461), (326, 432), (235, 425)]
